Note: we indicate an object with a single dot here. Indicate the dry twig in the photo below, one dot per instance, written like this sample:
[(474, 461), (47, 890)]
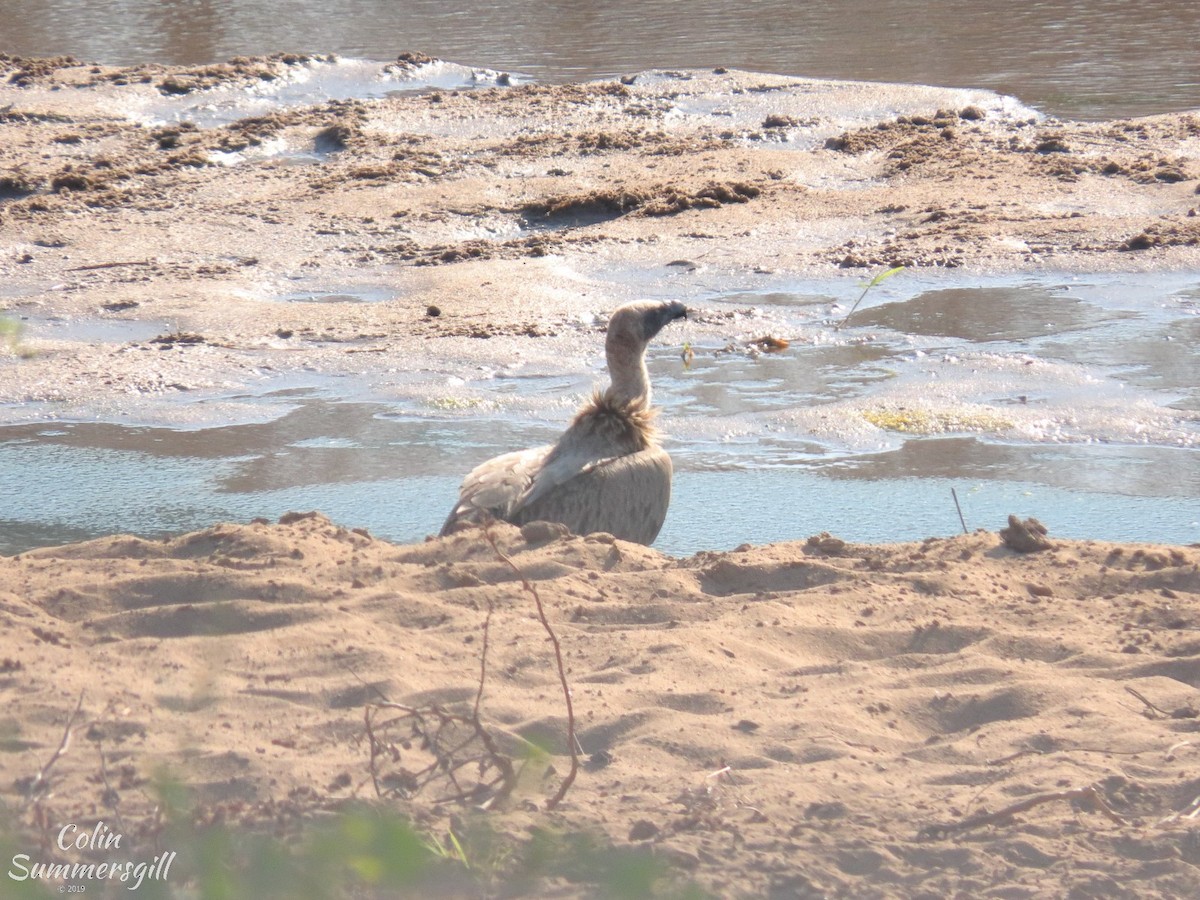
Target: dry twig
[(446, 743), (111, 265), (1191, 811), (562, 672), (451, 742), (1152, 711), (38, 785), (1089, 796)]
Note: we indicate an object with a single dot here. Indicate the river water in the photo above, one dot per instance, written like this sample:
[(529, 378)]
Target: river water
[(1073, 398), (1090, 59)]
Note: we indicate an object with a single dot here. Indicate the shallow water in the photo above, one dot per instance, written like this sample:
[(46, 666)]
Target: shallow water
[(364, 467), (1073, 399), (315, 81), (90, 330), (1100, 59)]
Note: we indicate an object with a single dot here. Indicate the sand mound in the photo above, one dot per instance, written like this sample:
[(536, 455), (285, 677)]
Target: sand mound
[(800, 719)]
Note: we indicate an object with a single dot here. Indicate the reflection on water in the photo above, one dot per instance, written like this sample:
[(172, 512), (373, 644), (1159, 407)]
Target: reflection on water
[(1158, 472), (734, 383), (720, 510), (1099, 59), (1167, 357), (90, 330), (986, 313)]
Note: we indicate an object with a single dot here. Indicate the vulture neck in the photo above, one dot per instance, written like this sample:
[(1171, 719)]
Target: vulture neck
[(627, 369)]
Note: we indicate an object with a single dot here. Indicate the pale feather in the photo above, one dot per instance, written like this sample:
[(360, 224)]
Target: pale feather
[(496, 486)]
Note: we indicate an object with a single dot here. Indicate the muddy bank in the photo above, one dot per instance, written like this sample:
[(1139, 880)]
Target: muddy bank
[(503, 207)]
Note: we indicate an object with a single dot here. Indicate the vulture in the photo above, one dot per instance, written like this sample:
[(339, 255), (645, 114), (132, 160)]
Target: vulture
[(607, 472)]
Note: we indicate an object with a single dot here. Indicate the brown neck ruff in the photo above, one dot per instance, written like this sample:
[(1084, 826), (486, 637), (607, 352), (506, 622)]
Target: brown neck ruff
[(629, 423)]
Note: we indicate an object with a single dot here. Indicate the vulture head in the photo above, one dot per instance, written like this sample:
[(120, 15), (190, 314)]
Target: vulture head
[(630, 329)]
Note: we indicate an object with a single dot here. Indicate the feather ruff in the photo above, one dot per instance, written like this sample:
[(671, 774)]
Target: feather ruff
[(625, 424)]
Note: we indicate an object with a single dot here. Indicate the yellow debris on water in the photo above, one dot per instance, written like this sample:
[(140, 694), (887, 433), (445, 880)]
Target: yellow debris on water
[(457, 403), (936, 421)]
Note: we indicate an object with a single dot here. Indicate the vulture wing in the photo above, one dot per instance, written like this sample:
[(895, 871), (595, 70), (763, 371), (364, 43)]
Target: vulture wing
[(627, 496), (496, 486)]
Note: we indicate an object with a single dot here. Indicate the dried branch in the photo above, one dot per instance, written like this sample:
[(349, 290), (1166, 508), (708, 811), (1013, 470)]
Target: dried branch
[(111, 265), (483, 652), (562, 672), (1191, 811), (1090, 796), (111, 797), (38, 784), (1152, 711), (963, 521), (438, 746), (444, 742)]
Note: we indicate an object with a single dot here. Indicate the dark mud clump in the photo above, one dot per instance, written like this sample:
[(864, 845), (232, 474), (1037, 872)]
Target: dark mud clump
[(169, 341), (238, 70), (590, 143), (71, 181), (477, 249), (1165, 234), (23, 72), (577, 210), (169, 137), (711, 197), (1052, 143), (14, 185), (1025, 537), (902, 128), (335, 138), (408, 62), (1146, 169)]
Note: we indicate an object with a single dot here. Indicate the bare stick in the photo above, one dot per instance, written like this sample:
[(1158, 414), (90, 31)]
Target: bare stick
[(374, 751), (562, 672), (63, 744), (111, 265), (483, 652), (1191, 811), (1106, 751), (429, 724), (370, 687), (1088, 794), (1151, 710), (110, 795), (1013, 756), (954, 494)]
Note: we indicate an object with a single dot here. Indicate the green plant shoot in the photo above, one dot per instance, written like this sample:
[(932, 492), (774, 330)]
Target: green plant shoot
[(881, 277)]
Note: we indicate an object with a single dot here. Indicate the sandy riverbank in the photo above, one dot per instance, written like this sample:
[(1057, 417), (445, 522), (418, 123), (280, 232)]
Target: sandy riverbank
[(505, 207), (807, 719)]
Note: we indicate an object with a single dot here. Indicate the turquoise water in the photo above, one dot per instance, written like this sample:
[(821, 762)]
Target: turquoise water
[(400, 478)]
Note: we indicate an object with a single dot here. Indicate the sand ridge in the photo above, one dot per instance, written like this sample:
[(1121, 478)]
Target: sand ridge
[(856, 702)]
